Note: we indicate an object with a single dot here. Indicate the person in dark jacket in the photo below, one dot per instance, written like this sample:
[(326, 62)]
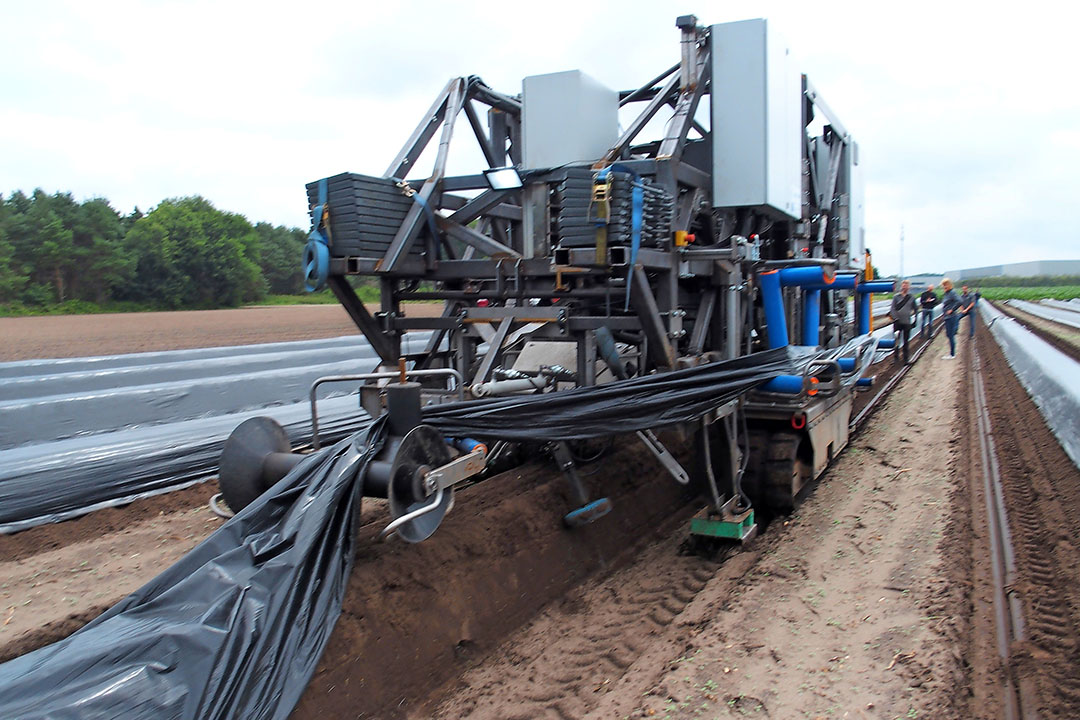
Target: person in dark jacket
[(950, 311), (928, 301), (903, 311), (967, 307)]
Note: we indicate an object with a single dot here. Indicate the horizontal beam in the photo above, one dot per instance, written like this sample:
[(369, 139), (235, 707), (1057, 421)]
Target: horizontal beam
[(481, 242)]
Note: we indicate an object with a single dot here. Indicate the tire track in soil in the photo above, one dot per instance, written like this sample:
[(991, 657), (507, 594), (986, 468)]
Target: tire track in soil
[(1042, 491), (623, 644), (600, 632)]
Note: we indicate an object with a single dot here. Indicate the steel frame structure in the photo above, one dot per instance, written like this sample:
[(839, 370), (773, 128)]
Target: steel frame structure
[(491, 259)]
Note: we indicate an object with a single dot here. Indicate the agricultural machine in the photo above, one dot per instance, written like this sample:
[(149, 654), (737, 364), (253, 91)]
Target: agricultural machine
[(596, 247)]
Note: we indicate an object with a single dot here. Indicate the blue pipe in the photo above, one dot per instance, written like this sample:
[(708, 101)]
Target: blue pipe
[(847, 365), (467, 445), (862, 311), (787, 384), (800, 276), (876, 286), (811, 318), (773, 300), (886, 343), (864, 382), (847, 281)]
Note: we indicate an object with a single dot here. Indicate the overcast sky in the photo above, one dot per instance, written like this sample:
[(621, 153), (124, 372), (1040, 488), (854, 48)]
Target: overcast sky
[(968, 120)]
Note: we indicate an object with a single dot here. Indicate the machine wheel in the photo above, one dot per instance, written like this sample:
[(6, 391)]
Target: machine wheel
[(241, 470), (784, 472), (775, 474)]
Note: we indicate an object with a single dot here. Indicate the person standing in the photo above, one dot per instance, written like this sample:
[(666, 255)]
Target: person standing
[(903, 311), (928, 301), (950, 311), (967, 309)]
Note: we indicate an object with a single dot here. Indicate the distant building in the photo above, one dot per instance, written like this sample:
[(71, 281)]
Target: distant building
[(1024, 269), (921, 282)]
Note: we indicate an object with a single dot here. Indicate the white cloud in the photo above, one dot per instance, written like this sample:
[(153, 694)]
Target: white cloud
[(967, 116)]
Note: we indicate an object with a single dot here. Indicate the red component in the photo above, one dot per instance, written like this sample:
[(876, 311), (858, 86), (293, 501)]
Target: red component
[(798, 421), (690, 238), (482, 303)]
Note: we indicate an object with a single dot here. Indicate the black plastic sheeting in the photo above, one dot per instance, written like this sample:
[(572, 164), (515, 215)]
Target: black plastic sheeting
[(235, 629), (49, 400), (56, 481), (618, 407)]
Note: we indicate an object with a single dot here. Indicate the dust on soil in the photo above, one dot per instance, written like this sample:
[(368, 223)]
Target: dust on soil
[(62, 336), (850, 606)]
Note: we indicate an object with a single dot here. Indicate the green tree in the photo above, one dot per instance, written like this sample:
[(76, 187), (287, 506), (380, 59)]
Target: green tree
[(12, 279), (63, 249), (280, 252), (187, 253)]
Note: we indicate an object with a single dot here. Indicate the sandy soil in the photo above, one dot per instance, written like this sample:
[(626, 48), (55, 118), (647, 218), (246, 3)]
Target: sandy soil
[(847, 607), (77, 335), (56, 578), (871, 601), (1042, 491)]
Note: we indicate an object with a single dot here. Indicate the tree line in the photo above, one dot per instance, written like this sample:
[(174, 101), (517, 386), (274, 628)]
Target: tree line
[(184, 253)]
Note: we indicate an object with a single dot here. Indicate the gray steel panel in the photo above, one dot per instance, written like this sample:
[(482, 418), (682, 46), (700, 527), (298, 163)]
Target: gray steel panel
[(757, 118)]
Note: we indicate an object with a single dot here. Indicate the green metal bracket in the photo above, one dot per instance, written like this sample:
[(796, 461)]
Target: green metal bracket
[(740, 527)]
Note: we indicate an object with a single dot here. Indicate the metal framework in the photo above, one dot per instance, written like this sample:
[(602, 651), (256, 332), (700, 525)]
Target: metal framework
[(497, 259)]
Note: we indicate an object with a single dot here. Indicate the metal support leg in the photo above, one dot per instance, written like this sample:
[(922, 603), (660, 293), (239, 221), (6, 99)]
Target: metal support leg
[(587, 511)]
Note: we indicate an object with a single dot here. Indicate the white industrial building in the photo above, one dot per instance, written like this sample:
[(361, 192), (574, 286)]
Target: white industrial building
[(1023, 269)]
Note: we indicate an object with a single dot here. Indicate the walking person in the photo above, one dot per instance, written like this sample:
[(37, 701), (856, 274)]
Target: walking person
[(950, 311), (967, 309), (903, 311), (928, 301)]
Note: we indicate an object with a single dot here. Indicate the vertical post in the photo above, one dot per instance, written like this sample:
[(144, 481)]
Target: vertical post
[(869, 298), (534, 220), (586, 359), (863, 302), (811, 318), (773, 300)]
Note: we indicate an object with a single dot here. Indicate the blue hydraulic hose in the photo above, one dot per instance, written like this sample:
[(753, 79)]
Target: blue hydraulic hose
[(800, 276), (773, 300)]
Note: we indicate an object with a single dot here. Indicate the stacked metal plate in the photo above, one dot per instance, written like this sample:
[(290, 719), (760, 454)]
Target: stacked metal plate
[(365, 214), (574, 226)]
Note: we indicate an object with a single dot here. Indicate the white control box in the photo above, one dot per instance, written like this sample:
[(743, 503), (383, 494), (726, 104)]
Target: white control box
[(757, 131), (567, 117)]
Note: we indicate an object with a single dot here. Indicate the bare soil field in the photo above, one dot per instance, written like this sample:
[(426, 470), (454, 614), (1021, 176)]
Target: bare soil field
[(58, 336), (847, 608), (871, 601)]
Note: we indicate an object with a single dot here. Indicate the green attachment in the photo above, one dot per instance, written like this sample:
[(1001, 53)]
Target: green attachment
[(739, 527)]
